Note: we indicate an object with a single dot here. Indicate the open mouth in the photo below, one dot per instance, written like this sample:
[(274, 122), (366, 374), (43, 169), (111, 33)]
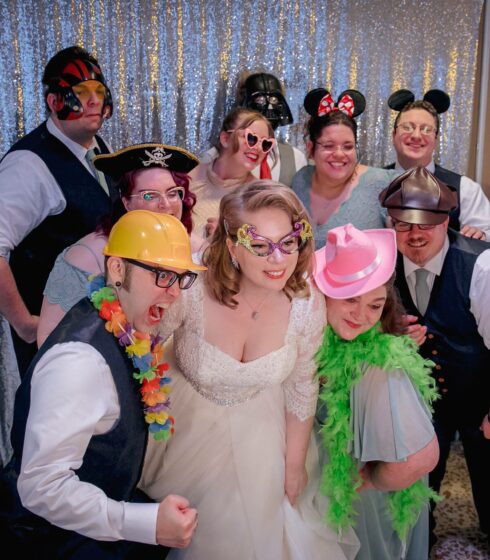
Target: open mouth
[(252, 156), (274, 274), (337, 165), (417, 244), (156, 312)]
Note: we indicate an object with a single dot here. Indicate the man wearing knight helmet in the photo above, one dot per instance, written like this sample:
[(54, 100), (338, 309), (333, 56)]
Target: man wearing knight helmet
[(51, 194)]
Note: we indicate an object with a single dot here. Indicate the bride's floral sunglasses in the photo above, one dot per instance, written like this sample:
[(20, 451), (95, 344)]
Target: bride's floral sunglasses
[(261, 246), (251, 139)]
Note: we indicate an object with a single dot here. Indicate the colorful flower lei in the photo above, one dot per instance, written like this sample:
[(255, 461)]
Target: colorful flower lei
[(340, 366), (146, 353)]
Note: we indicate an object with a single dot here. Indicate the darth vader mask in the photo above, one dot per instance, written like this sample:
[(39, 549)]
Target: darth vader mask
[(264, 94)]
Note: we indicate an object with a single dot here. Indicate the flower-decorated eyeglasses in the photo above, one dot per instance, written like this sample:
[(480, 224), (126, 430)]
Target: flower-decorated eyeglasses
[(261, 246)]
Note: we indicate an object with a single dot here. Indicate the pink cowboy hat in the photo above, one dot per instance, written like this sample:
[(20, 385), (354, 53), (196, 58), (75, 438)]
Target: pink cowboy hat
[(354, 262)]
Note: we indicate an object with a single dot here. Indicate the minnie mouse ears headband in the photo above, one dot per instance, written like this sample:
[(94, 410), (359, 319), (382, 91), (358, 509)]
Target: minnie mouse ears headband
[(439, 99), (319, 102)]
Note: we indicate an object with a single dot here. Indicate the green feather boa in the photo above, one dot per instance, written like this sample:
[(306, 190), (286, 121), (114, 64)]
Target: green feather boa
[(340, 366)]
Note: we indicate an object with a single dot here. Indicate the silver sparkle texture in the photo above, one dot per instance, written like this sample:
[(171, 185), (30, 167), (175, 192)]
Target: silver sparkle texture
[(173, 65)]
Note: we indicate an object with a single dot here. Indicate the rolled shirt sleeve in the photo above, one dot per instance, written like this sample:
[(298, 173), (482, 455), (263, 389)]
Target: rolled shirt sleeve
[(73, 397), (29, 194), (475, 206)]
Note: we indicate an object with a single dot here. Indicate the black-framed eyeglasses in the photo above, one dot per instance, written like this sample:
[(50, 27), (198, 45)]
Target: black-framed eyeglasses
[(166, 278), (404, 226)]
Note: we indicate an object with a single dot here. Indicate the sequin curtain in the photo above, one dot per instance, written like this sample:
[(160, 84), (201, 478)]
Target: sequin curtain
[(173, 65)]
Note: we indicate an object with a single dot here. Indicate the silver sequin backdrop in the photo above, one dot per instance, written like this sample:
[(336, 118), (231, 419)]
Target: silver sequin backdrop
[(173, 65)]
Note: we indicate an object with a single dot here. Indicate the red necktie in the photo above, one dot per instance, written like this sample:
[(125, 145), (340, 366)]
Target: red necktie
[(265, 170)]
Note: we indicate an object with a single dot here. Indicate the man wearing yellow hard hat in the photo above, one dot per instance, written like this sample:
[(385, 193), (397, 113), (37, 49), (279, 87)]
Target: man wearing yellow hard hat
[(95, 389)]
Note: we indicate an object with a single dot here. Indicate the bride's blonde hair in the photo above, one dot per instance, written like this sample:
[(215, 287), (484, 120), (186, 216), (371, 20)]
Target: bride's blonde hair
[(222, 278)]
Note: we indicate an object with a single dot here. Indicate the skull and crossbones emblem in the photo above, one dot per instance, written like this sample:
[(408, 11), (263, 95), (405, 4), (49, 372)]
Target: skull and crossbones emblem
[(156, 157)]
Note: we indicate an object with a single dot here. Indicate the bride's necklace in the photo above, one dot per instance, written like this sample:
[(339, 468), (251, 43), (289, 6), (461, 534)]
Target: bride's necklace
[(255, 310)]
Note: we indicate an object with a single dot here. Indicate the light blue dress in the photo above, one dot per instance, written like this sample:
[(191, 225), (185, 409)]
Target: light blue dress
[(362, 208), (390, 422), (67, 284)]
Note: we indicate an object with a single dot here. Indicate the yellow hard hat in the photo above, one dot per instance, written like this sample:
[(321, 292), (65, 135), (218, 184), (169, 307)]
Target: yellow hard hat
[(151, 237)]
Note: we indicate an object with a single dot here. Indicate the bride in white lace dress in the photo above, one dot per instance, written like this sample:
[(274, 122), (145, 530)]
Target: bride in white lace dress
[(245, 396)]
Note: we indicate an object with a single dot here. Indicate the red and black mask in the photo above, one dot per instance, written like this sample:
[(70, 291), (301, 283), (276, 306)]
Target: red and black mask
[(68, 106), (264, 94)]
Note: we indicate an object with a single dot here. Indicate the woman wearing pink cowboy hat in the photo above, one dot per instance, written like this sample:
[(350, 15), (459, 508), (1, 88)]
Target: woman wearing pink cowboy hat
[(377, 433)]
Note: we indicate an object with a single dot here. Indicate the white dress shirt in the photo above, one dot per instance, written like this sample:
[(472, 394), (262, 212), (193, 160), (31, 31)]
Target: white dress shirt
[(29, 192), (73, 397), (479, 286), (474, 209)]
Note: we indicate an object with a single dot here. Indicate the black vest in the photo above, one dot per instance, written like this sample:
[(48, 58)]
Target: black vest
[(453, 180), (112, 461), (453, 341), (86, 203)]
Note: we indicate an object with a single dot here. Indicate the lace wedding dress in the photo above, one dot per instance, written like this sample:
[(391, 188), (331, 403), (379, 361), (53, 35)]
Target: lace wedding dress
[(227, 453)]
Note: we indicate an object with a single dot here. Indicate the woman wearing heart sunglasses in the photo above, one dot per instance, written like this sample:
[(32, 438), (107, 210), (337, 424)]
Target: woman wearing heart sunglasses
[(337, 189), (245, 140), (245, 396)]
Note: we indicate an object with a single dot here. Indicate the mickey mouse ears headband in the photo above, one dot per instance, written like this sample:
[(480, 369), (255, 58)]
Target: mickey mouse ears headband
[(319, 102), (439, 99)]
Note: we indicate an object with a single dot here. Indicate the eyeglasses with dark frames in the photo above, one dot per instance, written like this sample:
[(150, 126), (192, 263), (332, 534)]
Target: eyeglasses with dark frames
[(167, 278), (404, 226)]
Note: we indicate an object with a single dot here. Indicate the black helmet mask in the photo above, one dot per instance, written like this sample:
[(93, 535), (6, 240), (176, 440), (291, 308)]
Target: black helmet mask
[(68, 105), (263, 92)]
